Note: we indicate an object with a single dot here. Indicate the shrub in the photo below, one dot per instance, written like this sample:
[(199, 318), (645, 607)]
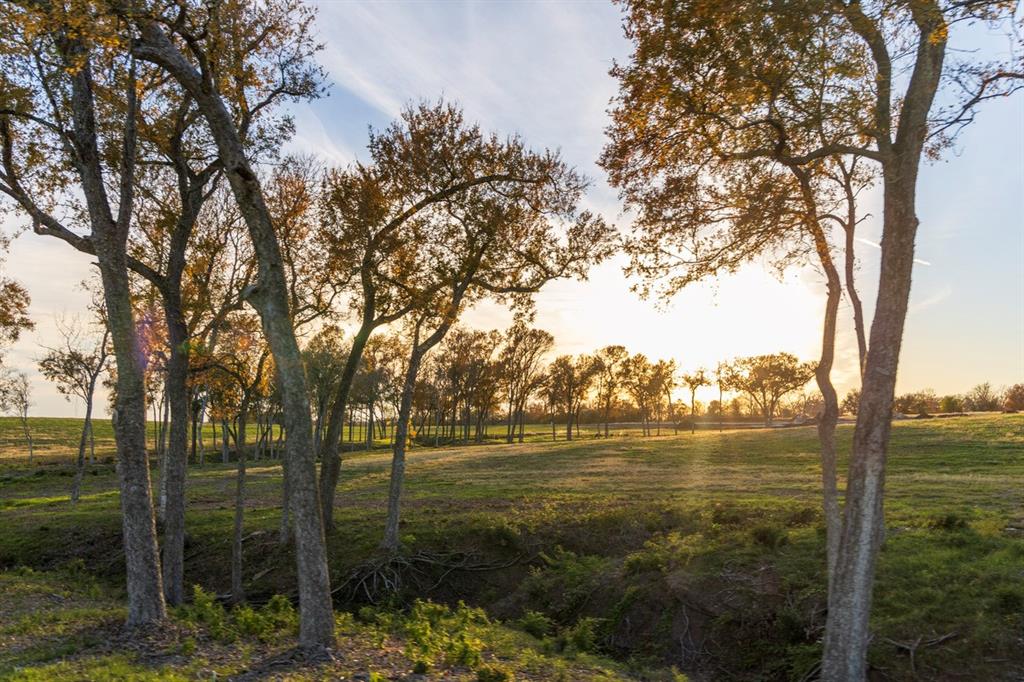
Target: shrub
[(492, 673), (948, 521), (567, 581), (277, 616), (536, 624), (435, 631), (584, 636), (769, 535)]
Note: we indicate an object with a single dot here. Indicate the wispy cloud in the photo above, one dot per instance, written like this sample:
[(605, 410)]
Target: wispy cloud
[(932, 299), (876, 245)]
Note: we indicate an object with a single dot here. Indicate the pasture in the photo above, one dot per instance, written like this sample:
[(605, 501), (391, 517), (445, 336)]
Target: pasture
[(628, 558)]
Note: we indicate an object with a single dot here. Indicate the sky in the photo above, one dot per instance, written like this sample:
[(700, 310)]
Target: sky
[(540, 69)]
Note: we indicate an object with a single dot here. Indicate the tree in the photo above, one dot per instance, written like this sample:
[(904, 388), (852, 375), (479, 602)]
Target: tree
[(849, 405), (766, 379), (75, 368), (324, 359), (14, 304), (951, 403), (519, 362), (649, 385), (497, 242), (375, 217), (217, 54), (725, 152), (16, 396), (609, 381), (243, 363), (983, 398), (694, 382), (1013, 398), (69, 132), (762, 61), (569, 380), (920, 402)]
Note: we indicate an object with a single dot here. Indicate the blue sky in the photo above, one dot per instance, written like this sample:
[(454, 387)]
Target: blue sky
[(540, 69)]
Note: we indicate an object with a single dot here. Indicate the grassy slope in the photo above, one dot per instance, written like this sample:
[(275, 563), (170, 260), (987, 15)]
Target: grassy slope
[(703, 550)]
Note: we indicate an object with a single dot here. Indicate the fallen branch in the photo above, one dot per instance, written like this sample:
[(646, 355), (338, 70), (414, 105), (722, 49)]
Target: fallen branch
[(920, 643), (384, 576)]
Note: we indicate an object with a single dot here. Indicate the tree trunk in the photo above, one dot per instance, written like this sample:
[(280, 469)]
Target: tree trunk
[(92, 445), (850, 264), (847, 630), (224, 455), (391, 541), (823, 374), (142, 557), (176, 455), (285, 535), (237, 590), (847, 633), (28, 436), (76, 486), (269, 295)]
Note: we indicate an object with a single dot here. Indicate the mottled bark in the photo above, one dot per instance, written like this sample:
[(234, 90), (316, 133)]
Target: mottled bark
[(109, 236)]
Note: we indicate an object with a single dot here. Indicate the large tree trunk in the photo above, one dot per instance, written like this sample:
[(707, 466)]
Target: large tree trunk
[(847, 633), (176, 455), (142, 558), (330, 456)]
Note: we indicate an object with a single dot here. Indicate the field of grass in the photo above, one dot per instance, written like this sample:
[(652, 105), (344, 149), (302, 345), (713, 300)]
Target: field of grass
[(55, 439), (703, 552)]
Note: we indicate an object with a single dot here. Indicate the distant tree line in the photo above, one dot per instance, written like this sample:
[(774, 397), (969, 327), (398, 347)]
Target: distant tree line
[(982, 398)]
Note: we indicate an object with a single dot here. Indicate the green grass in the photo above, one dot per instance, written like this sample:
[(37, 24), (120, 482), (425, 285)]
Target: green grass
[(704, 551)]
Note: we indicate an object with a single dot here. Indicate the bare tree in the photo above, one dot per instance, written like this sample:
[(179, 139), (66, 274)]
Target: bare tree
[(16, 396), (75, 368)]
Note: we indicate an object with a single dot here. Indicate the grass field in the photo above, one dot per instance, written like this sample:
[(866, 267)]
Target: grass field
[(596, 559)]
